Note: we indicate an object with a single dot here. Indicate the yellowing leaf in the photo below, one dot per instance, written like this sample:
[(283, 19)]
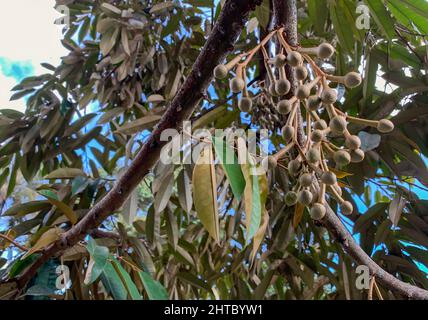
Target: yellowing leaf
[(45, 240), (4, 243), (65, 209), (260, 234), (65, 173), (298, 214), (340, 174), (155, 98), (205, 193)]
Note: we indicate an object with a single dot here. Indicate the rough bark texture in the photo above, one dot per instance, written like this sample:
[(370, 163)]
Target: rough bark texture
[(221, 41)]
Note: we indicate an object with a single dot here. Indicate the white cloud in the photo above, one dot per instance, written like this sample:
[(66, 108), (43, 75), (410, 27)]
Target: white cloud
[(28, 33)]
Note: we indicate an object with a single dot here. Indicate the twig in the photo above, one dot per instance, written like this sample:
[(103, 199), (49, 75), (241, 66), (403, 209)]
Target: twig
[(16, 244)]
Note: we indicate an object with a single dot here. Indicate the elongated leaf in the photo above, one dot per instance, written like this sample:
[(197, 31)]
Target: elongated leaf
[(98, 261), (65, 173), (113, 283), (154, 289), (130, 286), (396, 209), (184, 190), (205, 193), (20, 210), (65, 209), (229, 162), (252, 197), (139, 125), (45, 239), (382, 17)]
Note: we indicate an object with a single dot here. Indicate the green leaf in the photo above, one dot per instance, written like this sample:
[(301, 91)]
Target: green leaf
[(318, 13), (252, 199), (155, 290), (130, 286), (263, 13), (98, 261), (382, 17), (65, 209), (229, 162), (113, 283)]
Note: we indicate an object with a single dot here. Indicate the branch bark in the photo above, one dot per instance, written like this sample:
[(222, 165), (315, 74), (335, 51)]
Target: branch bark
[(342, 235), (221, 41)]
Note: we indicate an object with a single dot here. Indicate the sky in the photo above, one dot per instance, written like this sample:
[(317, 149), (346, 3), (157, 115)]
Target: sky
[(29, 37)]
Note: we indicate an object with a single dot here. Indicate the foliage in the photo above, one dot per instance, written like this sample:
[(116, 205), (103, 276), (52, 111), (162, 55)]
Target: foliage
[(86, 119)]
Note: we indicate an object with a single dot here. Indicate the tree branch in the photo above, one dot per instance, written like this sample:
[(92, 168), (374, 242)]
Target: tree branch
[(339, 231), (221, 41)]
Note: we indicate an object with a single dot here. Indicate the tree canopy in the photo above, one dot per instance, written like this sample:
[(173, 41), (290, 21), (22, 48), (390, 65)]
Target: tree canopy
[(339, 87)]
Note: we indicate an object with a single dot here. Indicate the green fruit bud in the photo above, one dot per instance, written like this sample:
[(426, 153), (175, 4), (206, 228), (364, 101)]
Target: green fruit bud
[(287, 133), (346, 208), (269, 163), (313, 155), (353, 142), (294, 59), (317, 136), (314, 103), (325, 51), (294, 167), (320, 125), (301, 73), (280, 60), (290, 198), (220, 72), (303, 92), (385, 126), (357, 155), (328, 178), (341, 157), (237, 85), (329, 96), (282, 87), (317, 212), (284, 107), (305, 180), (352, 80), (338, 124), (305, 197), (245, 104)]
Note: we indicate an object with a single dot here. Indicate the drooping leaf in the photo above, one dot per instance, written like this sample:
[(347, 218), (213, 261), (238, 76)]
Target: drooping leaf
[(205, 192), (229, 162), (64, 208), (154, 289)]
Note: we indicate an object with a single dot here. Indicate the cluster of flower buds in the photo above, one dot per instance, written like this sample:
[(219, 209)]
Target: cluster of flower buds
[(312, 112)]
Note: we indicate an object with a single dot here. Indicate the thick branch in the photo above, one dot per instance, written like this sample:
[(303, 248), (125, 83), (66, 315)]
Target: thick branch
[(336, 227), (221, 41)]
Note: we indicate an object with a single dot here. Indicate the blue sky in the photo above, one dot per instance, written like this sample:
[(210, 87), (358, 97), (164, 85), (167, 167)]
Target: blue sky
[(29, 37)]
